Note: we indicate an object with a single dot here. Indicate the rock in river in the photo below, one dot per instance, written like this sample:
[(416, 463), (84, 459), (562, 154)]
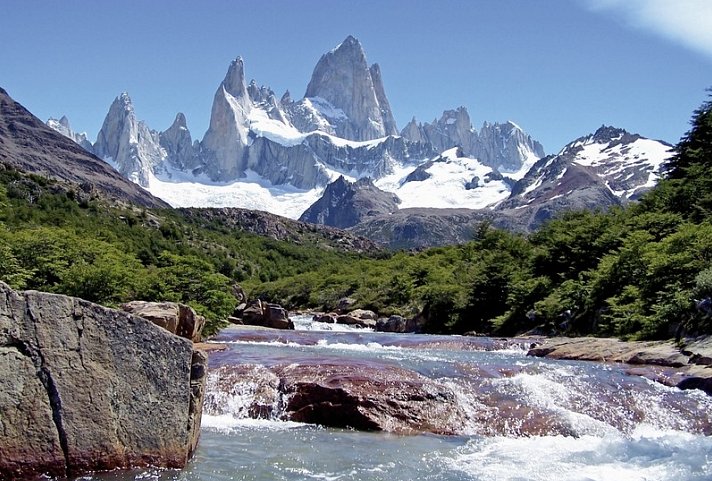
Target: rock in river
[(86, 388)]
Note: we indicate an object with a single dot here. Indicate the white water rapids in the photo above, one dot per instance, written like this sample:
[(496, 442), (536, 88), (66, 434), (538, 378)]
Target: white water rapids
[(595, 422)]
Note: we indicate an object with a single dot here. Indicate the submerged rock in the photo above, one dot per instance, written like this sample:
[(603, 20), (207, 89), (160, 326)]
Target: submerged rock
[(370, 398), (85, 388)]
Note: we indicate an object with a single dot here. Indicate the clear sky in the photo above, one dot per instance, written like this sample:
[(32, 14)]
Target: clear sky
[(558, 68)]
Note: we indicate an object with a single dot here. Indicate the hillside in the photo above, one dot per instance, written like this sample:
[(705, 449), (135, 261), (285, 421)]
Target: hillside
[(27, 144)]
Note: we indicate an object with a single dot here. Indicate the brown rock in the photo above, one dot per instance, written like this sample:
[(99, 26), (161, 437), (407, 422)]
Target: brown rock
[(350, 320), (684, 368), (369, 398), (277, 317), (328, 318), (176, 318), (364, 314)]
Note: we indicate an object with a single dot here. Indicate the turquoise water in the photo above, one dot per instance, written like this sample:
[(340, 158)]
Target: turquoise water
[(619, 427)]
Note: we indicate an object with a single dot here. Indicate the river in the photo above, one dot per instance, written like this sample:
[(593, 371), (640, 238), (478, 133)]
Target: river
[(525, 419)]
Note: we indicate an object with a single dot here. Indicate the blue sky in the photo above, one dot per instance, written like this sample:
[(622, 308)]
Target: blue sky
[(558, 68)]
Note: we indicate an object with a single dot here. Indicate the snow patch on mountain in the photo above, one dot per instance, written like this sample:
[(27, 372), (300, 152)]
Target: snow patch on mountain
[(251, 192), (454, 181)]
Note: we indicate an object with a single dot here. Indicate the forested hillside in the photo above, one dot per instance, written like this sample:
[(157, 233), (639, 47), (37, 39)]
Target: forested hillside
[(55, 237)]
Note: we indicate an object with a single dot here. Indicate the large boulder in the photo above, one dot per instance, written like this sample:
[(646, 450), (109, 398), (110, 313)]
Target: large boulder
[(176, 318), (277, 317), (369, 398), (391, 324), (86, 388)]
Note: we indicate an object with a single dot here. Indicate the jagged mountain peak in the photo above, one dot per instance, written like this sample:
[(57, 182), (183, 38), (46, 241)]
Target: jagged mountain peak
[(234, 82), (63, 127), (124, 99), (345, 204), (132, 148), (179, 122), (606, 133), (350, 94), (349, 44)]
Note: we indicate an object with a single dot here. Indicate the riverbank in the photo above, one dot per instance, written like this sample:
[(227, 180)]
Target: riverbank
[(687, 365)]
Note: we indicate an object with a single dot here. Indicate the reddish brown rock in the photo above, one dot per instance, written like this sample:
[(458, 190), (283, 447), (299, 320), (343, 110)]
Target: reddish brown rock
[(373, 398)]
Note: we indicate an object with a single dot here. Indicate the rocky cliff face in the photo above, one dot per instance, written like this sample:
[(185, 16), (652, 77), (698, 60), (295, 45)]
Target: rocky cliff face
[(225, 142), (346, 94), (86, 388), (505, 147), (178, 144), (27, 144), (345, 204), (128, 144)]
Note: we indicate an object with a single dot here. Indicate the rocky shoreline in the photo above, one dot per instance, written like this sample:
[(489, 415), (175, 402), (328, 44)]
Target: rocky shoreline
[(686, 365)]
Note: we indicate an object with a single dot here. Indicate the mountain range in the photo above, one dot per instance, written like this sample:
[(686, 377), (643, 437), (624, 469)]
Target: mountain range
[(307, 157)]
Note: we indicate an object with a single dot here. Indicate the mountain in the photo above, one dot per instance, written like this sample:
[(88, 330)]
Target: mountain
[(345, 204), (441, 205), (505, 147), (350, 94), (278, 153), (281, 154), (29, 145), (128, 144), (62, 126), (181, 151), (609, 167)]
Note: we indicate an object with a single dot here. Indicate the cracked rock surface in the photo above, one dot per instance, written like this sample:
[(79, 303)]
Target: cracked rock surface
[(83, 387)]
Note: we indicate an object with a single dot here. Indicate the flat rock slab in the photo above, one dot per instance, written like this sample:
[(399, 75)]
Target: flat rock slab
[(688, 365)]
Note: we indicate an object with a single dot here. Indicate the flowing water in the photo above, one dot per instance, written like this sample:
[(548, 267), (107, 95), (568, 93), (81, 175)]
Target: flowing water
[(525, 418)]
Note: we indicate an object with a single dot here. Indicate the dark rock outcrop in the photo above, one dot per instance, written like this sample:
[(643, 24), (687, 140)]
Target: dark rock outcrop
[(85, 388), (265, 314), (177, 318), (345, 204), (392, 324)]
